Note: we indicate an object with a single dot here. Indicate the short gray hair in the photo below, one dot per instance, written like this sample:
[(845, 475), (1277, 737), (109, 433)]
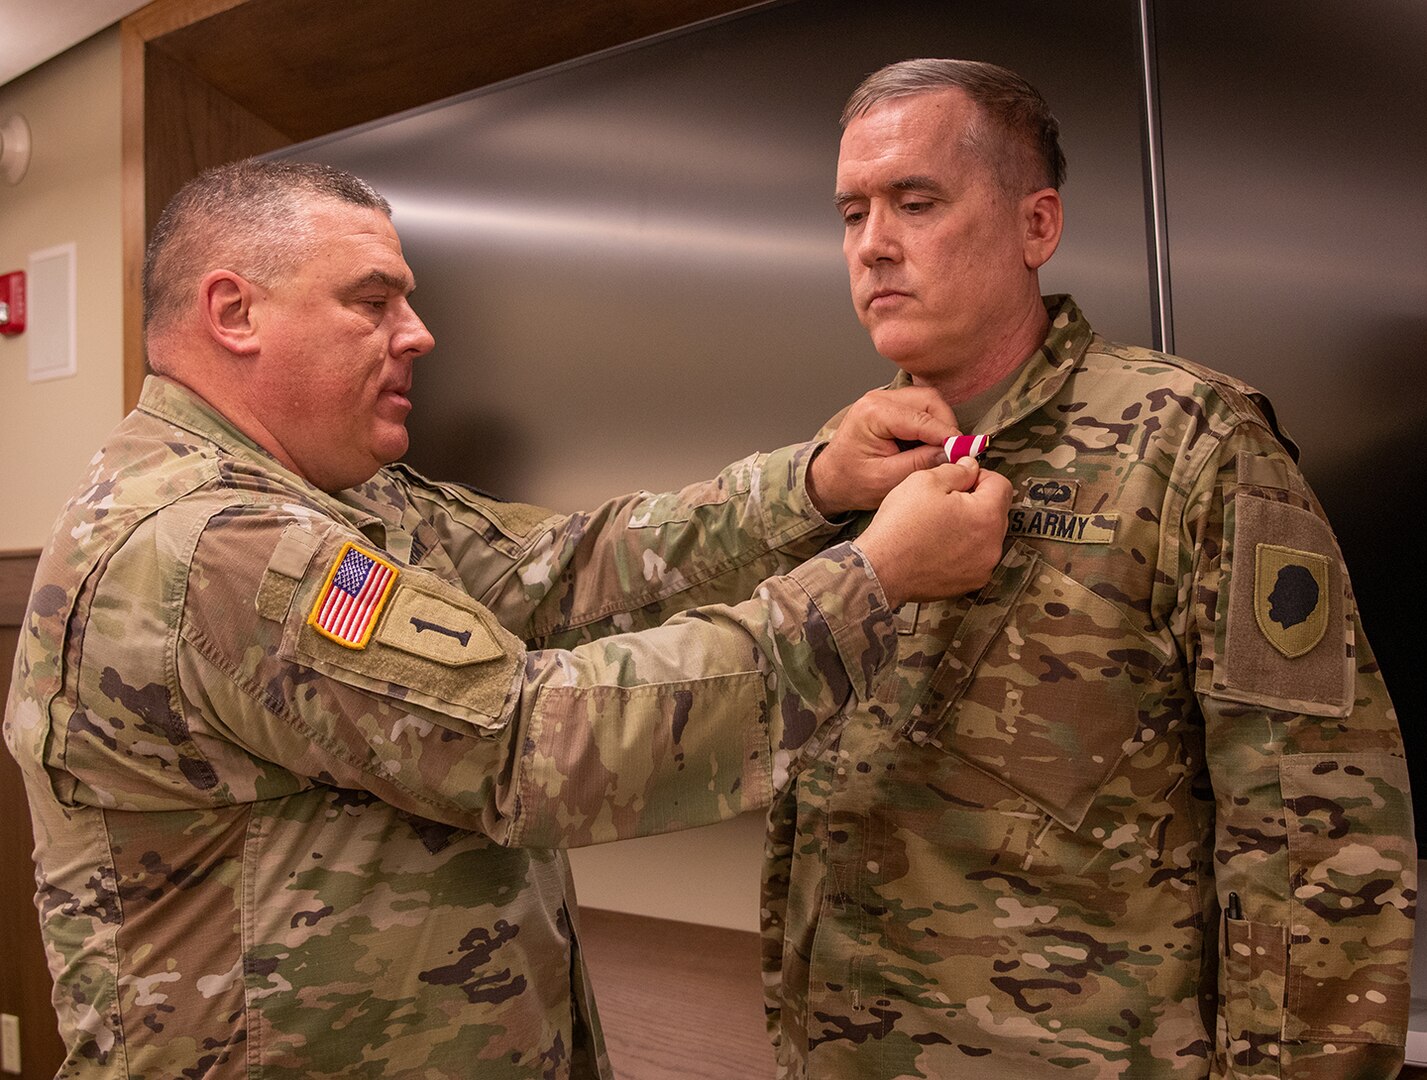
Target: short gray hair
[(245, 216), (1022, 145)]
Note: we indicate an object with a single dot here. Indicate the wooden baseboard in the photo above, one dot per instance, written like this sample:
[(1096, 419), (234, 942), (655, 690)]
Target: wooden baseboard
[(17, 571), (678, 1001)]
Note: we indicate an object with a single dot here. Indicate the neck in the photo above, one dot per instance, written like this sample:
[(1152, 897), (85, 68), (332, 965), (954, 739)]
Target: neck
[(996, 357), (228, 390)]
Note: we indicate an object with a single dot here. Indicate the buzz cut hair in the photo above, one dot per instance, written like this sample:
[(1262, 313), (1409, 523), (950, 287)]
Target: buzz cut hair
[(246, 216), (1014, 133)]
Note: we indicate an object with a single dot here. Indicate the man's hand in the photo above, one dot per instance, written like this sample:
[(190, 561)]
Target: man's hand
[(939, 532), (863, 462)]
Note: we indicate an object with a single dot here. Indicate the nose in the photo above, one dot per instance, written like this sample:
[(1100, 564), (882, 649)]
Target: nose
[(412, 339), (878, 240)]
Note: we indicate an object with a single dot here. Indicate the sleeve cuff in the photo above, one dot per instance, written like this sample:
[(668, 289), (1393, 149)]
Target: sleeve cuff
[(785, 506), (841, 584)]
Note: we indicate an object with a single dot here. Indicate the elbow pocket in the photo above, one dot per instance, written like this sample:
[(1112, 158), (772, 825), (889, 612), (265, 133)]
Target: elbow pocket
[(609, 762), (678, 507)]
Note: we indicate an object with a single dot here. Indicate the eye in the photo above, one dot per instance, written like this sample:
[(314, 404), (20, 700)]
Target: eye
[(853, 217), (916, 206)]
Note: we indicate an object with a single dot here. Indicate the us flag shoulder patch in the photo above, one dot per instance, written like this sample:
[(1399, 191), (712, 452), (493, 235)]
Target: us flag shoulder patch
[(357, 587)]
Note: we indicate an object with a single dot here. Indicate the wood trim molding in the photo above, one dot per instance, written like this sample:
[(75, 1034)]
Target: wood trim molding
[(131, 214), (199, 128), (165, 16), (17, 573)]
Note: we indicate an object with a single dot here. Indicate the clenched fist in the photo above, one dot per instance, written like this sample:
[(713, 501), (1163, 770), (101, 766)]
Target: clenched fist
[(939, 532)]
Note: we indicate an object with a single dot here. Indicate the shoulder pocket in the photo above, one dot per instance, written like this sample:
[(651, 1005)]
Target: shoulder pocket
[(430, 645), (1041, 687)]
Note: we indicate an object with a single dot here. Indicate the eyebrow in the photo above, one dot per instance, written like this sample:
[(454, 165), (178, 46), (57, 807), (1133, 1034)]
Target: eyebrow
[(394, 282), (928, 184)]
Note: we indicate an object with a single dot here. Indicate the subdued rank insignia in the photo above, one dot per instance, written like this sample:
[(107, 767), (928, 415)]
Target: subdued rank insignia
[(1290, 597), (352, 596)]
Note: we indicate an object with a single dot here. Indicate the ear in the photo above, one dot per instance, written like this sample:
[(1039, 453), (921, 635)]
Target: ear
[(1043, 217), (226, 302)]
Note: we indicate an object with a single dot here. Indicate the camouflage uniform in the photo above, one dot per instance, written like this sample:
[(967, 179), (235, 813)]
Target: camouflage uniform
[(1137, 809), (265, 853)]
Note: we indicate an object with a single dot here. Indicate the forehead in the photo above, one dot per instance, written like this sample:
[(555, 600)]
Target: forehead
[(919, 134), (344, 235)]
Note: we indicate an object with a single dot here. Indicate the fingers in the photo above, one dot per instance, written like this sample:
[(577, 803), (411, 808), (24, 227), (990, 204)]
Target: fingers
[(914, 414), (939, 533), (920, 457), (993, 485), (956, 475)]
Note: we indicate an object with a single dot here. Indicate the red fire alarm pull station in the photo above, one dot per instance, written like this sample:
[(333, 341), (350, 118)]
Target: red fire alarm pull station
[(12, 302)]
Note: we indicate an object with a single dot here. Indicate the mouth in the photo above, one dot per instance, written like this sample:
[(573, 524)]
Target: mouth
[(881, 299), (397, 395)]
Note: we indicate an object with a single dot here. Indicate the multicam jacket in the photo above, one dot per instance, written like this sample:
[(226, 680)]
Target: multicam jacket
[(269, 840), (1139, 808)]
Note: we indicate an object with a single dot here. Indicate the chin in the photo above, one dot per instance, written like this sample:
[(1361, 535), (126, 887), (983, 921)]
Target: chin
[(896, 343), (909, 357), (391, 446)]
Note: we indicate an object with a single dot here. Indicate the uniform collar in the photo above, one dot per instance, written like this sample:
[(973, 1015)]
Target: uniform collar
[(1044, 371), (182, 407), (176, 404)]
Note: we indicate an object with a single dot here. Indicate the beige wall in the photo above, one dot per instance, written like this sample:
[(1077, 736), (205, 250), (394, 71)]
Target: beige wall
[(49, 430), (709, 875)]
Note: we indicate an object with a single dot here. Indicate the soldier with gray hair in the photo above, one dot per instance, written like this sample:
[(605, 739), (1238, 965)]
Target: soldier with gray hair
[(294, 770), (1139, 807)]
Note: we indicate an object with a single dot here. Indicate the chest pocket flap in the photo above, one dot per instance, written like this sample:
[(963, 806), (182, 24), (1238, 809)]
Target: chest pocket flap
[(1042, 686)]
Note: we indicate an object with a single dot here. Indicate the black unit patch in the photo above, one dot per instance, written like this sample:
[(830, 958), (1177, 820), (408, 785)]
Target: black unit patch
[(1290, 597)]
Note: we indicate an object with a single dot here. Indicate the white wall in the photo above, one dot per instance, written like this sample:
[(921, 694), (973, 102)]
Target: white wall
[(71, 194)]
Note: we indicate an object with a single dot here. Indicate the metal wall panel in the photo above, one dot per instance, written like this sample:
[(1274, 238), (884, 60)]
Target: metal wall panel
[(632, 265), (1295, 159)]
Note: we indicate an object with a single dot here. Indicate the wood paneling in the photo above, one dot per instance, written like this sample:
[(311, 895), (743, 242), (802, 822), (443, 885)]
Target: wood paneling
[(25, 988), (677, 1001), (188, 127), (329, 64)]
